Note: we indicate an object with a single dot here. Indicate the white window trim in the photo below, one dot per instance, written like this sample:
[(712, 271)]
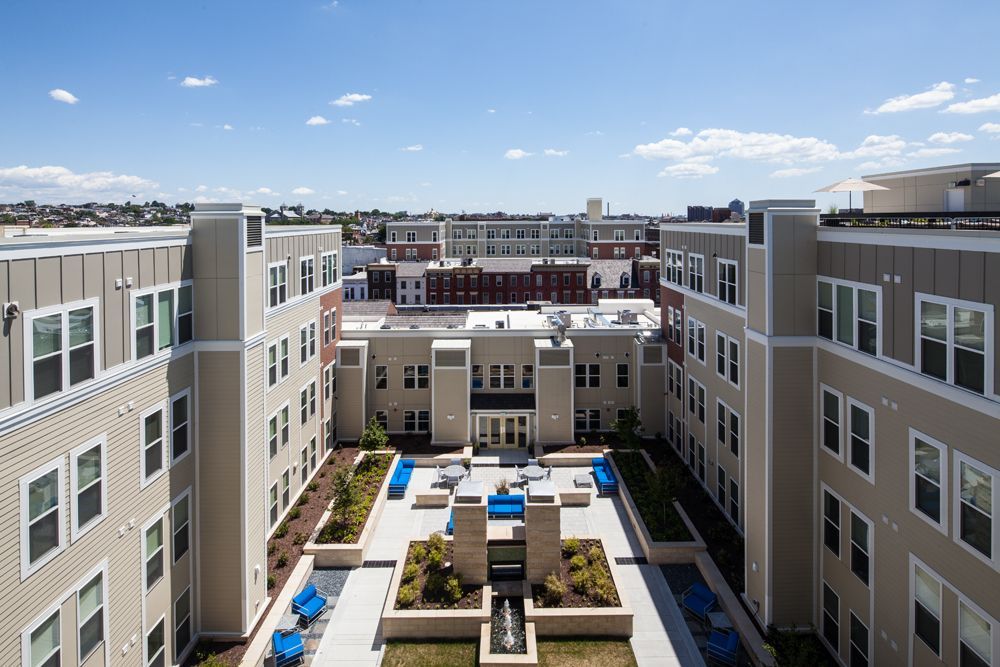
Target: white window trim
[(868, 632), (29, 344), (822, 614), (77, 531), (145, 640), (184, 393), (56, 464), (267, 301), (54, 609), (144, 557), (849, 441), (698, 325), (311, 338), (302, 259), (839, 455), (719, 262), (869, 551), (725, 356), (987, 310), (164, 457), (703, 403), (879, 324), (956, 508), (690, 264), (103, 571), (336, 267), (912, 603), (994, 635), (186, 493), (943, 450), (154, 290)]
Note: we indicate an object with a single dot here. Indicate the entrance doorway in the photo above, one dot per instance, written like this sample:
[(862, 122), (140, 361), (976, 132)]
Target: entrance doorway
[(503, 431)]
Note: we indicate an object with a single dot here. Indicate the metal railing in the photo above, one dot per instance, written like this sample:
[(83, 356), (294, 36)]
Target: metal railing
[(978, 220)]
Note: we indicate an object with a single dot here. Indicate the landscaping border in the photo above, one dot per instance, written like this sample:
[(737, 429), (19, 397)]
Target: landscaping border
[(579, 621), (351, 555), (259, 646)]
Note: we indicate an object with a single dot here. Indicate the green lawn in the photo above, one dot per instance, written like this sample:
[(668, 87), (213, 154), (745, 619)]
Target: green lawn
[(551, 653)]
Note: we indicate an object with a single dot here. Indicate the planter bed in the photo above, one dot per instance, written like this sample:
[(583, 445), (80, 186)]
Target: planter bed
[(584, 574), (655, 506), (367, 480), (445, 591)]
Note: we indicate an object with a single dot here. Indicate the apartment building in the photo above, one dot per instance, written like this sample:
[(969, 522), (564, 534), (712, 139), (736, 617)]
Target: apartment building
[(165, 396), (952, 188), (833, 387)]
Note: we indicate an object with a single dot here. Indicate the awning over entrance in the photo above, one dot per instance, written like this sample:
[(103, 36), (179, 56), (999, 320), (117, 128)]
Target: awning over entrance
[(502, 402)]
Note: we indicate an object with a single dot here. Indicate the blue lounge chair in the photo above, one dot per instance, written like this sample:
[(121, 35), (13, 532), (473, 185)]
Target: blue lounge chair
[(501, 506), (606, 481), (699, 600), (450, 529), (722, 647), (401, 478), (309, 604), (288, 649)]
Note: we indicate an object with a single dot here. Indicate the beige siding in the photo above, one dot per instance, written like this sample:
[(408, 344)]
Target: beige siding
[(256, 481)]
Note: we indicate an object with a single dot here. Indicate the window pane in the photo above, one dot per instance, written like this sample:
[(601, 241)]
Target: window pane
[(934, 320), (184, 299), (970, 328), (845, 314), (928, 498), (153, 427), (928, 591), (867, 305), (977, 488), (975, 631), (88, 504), (43, 536), (970, 369), (44, 639), (91, 633), (859, 422), (47, 374), (47, 335), (976, 530), (154, 641), (43, 494), (143, 310), (91, 596), (825, 296), (154, 537), (81, 326), (927, 628), (934, 358), (927, 460), (81, 364), (165, 316)]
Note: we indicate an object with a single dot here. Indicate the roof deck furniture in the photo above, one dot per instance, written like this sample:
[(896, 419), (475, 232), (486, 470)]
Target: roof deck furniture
[(437, 475), (534, 472), (288, 649), (469, 491), (505, 506), (719, 620), (450, 528), (699, 600), (606, 482), (453, 474), (287, 623), (583, 480), (309, 604), (722, 646), (532, 462), (401, 478), (519, 472)]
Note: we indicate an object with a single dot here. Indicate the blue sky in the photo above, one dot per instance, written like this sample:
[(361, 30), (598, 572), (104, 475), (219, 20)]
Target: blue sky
[(520, 106)]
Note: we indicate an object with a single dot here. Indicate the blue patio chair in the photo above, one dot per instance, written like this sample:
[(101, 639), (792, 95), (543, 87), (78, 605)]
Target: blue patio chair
[(450, 528), (309, 604), (722, 647), (288, 649), (699, 600)]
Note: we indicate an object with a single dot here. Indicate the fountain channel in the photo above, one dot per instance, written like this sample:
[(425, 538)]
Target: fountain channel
[(507, 626)]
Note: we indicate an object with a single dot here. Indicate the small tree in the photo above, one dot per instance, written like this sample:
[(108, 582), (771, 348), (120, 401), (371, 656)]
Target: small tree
[(344, 493), (627, 427), (373, 437)]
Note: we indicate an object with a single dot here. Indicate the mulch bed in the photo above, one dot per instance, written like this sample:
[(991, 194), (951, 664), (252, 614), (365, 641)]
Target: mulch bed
[(366, 480), (310, 514), (472, 596), (574, 598)]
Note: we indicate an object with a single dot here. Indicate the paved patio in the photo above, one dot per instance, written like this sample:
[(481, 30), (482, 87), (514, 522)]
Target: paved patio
[(353, 637)]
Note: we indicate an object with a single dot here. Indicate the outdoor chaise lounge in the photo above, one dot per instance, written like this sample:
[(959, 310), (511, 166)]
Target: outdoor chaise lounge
[(699, 600), (288, 649), (722, 647), (401, 478), (309, 604), (606, 482), (505, 506)]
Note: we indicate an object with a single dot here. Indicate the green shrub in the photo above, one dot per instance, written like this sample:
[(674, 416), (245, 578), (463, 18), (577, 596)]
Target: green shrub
[(604, 591), (407, 594), (453, 589), (303, 499), (553, 590), (281, 530), (313, 485), (282, 560), (435, 559), (299, 539), (434, 586), (210, 660), (418, 552), (596, 555), (436, 541), (570, 546), (271, 548), (581, 581), (410, 572), (294, 513), (577, 563), (271, 581)]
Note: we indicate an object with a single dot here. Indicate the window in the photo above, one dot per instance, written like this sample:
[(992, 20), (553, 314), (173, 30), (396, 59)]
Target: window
[(312, 451), (929, 478), (861, 422), (304, 465), (41, 516), (831, 523), (153, 554), (179, 417), (974, 505), (830, 432), (90, 616), (409, 420), (272, 503), (153, 452), (307, 342), (860, 551), (535, 233), (831, 617), (859, 643), (277, 361), (527, 376), (588, 375), (411, 237), (329, 327), (501, 376), (88, 471), (848, 314), (154, 645), (622, 375), (328, 265), (696, 339), (180, 522), (477, 376), (734, 501), (727, 358), (727, 281), (696, 272), (588, 420), (720, 478), (696, 399), (975, 634), (182, 623), (307, 401), (381, 377), (44, 645), (277, 282), (954, 339), (330, 381), (285, 488), (728, 427), (62, 350), (307, 275), (416, 376), (674, 267), (382, 417), (927, 608), (158, 324), (619, 235)]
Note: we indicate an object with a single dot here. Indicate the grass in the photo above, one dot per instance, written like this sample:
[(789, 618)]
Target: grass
[(430, 654), (551, 653)]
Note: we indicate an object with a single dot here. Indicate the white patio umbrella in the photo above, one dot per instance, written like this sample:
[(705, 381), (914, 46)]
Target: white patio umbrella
[(851, 185)]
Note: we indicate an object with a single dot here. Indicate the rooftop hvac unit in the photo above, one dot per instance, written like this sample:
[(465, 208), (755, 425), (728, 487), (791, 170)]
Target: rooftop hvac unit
[(499, 324), (626, 316)]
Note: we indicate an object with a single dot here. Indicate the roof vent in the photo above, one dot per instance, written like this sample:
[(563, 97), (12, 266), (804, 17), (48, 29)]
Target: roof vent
[(414, 326), (499, 324), (385, 326)]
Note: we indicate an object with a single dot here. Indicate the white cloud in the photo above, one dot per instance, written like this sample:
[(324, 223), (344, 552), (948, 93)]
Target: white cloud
[(60, 95), (415, 148), (491, 111), (949, 137), (196, 124), (552, 152), (341, 192), (317, 120), (60, 183), (201, 188), (932, 152), (765, 146), (791, 172), (594, 133), (195, 82), (303, 191), (980, 105), (332, 5), (350, 99), (227, 126), (689, 170), (878, 145), (516, 154), (970, 79), (990, 128), (681, 132), (937, 94), (266, 191), (351, 121)]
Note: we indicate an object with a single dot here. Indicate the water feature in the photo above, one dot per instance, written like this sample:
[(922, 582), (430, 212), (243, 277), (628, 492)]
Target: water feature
[(507, 627)]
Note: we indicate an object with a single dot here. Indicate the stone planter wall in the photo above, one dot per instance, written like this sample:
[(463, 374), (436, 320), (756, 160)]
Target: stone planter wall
[(579, 621), (526, 659)]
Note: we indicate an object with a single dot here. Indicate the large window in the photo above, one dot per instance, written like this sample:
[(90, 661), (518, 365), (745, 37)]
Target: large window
[(831, 523), (588, 420), (416, 376), (477, 376), (860, 547), (861, 423), (501, 376), (927, 608), (727, 358), (88, 473), (848, 314), (286, 488), (41, 516), (154, 455), (182, 623), (180, 522), (527, 376), (272, 504), (381, 377), (674, 267), (328, 263), (152, 554), (974, 505), (180, 412), (859, 643), (622, 375), (728, 427), (62, 349), (90, 616), (727, 281), (588, 375), (277, 284), (307, 342), (830, 402), (928, 479), (955, 342), (696, 272), (307, 275), (975, 634), (277, 361), (163, 318), (307, 401), (44, 643), (696, 399), (696, 339), (155, 645), (831, 617)]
